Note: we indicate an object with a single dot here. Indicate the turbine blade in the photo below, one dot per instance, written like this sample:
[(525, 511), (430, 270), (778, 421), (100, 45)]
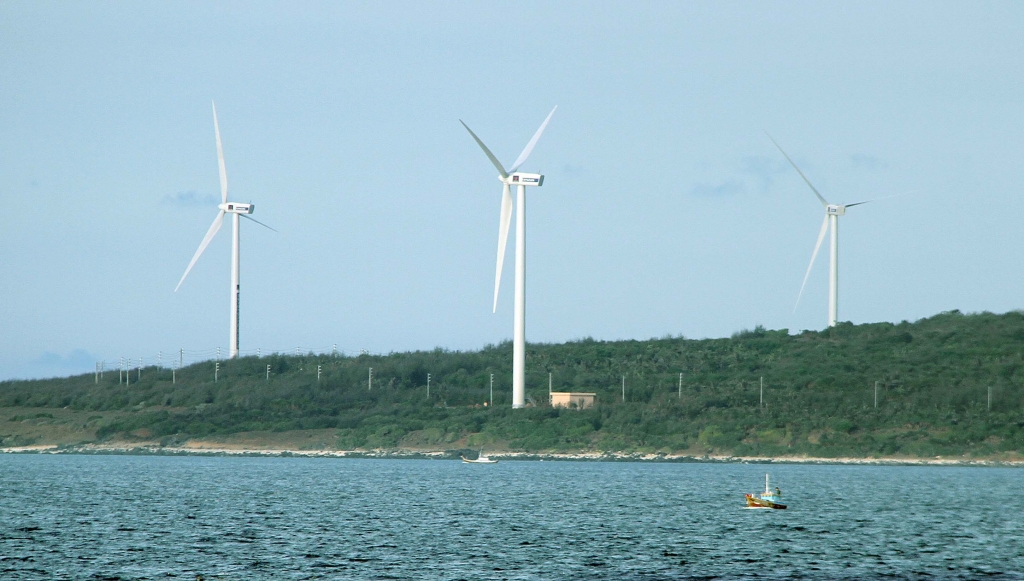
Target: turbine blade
[(529, 146), (899, 195), (248, 217), (503, 224), (821, 237), (824, 202), (202, 245), (490, 156), (220, 160)]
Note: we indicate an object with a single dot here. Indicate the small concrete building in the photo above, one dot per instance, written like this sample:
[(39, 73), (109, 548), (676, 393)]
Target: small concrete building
[(572, 399)]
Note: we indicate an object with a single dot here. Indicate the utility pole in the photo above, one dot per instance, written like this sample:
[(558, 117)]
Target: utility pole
[(549, 386), (174, 374), (428, 384), (318, 374), (97, 382), (876, 395), (103, 365), (181, 357), (492, 390), (268, 373), (159, 358), (623, 389), (369, 382), (334, 350), (680, 387), (218, 353), (128, 371), (762, 392), (216, 371), (258, 355)]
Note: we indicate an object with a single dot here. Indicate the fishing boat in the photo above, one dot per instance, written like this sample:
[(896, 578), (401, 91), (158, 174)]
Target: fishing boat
[(767, 499), (480, 459)]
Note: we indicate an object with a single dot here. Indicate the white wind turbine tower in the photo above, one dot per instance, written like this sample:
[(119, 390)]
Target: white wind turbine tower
[(236, 210), (520, 179), (832, 213)]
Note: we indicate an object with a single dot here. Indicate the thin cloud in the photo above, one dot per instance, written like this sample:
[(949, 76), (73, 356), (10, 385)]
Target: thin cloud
[(190, 199), (729, 188), (763, 169), (77, 361), (864, 161)]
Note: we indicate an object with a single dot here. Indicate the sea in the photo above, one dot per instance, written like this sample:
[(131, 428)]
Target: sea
[(95, 517)]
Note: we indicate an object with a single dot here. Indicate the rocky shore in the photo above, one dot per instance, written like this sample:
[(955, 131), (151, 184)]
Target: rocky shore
[(200, 448)]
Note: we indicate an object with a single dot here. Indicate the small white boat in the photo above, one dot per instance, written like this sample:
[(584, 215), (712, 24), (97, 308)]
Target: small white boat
[(480, 459)]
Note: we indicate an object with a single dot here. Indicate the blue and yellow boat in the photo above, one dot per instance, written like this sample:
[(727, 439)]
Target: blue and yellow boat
[(767, 499)]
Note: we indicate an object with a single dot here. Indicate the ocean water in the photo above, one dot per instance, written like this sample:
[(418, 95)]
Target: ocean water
[(152, 517)]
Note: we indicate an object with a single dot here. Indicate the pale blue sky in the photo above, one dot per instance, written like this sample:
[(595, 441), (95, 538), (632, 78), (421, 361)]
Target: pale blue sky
[(665, 209)]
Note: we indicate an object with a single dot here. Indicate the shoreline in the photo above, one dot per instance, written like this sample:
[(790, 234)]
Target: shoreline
[(200, 449)]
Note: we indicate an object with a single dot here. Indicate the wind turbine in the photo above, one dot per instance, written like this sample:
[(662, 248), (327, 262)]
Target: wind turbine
[(236, 210), (832, 213), (521, 180)]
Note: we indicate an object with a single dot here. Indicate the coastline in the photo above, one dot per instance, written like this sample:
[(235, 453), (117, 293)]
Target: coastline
[(208, 449)]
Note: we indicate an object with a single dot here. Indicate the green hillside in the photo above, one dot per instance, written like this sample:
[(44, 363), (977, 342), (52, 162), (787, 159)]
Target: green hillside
[(934, 378)]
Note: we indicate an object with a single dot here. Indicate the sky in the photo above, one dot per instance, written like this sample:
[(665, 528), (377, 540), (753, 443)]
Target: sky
[(665, 210)]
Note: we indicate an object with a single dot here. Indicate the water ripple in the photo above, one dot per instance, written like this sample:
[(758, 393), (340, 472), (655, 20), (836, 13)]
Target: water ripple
[(135, 518)]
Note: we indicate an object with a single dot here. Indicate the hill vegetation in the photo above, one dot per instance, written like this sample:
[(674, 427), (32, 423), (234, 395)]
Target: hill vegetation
[(935, 378)]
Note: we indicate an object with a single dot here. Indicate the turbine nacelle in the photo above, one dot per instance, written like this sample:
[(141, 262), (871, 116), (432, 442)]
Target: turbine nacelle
[(523, 179), (834, 210), (234, 208)]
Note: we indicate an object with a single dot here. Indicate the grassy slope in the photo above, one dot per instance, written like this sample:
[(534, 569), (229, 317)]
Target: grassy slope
[(934, 378)]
